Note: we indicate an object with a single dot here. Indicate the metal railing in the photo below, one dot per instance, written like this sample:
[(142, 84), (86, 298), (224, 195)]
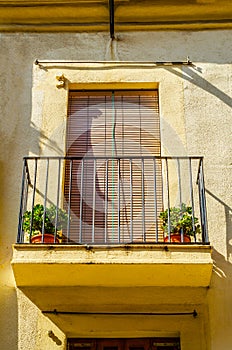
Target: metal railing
[(107, 200)]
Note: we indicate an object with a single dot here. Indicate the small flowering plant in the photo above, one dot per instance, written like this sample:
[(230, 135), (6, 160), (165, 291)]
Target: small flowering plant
[(34, 220), (181, 220)]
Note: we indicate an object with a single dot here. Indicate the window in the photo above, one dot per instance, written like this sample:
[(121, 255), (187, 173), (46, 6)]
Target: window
[(112, 137)]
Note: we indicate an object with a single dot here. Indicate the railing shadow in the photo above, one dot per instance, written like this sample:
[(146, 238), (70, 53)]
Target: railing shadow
[(189, 73), (228, 217), (43, 141)]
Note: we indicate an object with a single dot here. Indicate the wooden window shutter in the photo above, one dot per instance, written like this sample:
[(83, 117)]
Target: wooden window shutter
[(118, 128)]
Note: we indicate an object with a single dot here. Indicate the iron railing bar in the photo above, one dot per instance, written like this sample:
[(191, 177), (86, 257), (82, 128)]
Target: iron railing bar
[(192, 199), (203, 215), (69, 197), (33, 198), (202, 203), (25, 194), (131, 200), (198, 182), (119, 233), (81, 200), (180, 197), (25, 200), (143, 203), (106, 200), (168, 194), (123, 196), (21, 210), (155, 201), (206, 238), (94, 200), (179, 182), (57, 199), (27, 171), (45, 199), (199, 167), (28, 181), (201, 210)]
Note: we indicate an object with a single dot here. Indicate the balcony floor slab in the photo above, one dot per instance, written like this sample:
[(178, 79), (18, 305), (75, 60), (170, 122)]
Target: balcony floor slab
[(112, 266)]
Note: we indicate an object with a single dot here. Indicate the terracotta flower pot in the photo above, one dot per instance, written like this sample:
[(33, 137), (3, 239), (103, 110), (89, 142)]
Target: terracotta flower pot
[(176, 238), (48, 238)]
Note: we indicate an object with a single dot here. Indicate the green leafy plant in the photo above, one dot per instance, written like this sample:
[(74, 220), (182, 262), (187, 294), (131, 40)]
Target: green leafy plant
[(181, 219), (36, 218)]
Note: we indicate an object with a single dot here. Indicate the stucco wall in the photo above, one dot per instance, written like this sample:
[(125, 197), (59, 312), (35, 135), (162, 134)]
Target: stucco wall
[(195, 101)]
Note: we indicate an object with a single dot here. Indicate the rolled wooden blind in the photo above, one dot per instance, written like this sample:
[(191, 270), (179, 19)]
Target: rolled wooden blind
[(112, 196)]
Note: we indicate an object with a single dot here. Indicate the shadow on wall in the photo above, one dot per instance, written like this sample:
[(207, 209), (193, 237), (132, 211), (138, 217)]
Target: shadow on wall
[(189, 73), (9, 319), (219, 293), (42, 141), (222, 268), (219, 299), (228, 219)]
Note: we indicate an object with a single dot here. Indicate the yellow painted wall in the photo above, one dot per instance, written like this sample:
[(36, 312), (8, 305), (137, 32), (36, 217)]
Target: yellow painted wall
[(195, 106)]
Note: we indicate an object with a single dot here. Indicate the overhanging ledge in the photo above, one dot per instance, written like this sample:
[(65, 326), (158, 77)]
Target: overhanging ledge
[(95, 15), (112, 266)]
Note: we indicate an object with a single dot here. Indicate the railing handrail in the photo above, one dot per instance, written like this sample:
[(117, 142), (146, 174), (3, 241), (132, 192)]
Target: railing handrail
[(112, 157)]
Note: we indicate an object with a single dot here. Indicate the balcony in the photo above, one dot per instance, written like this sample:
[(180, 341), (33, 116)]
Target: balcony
[(112, 244), (112, 235)]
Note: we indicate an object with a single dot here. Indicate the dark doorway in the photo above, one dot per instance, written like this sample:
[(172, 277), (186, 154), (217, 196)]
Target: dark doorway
[(125, 344)]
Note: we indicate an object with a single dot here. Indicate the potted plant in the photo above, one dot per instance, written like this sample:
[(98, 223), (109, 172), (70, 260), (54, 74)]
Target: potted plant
[(181, 221), (34, 220)]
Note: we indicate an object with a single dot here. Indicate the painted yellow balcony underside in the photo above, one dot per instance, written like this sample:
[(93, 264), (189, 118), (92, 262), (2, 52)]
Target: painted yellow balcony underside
[(117, 279), (119, 266), (76, 15)]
